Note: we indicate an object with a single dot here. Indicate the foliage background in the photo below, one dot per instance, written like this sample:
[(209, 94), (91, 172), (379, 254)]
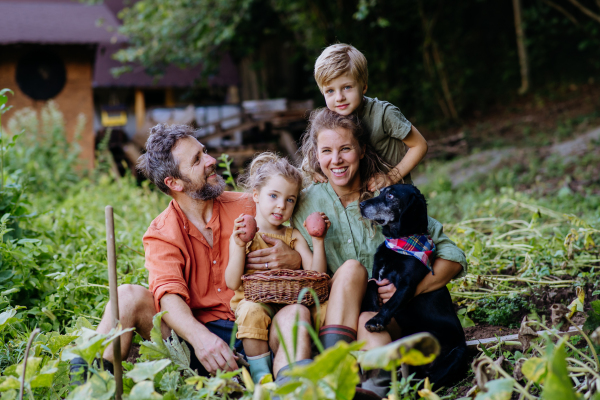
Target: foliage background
[(414, 48)]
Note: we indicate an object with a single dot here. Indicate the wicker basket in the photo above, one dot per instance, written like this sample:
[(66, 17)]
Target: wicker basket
[(283, 286)]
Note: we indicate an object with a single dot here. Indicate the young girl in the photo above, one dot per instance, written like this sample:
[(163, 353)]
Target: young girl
[(275, 185)]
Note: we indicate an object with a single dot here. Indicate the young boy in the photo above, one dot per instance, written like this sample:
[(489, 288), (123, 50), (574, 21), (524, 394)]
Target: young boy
[(342, 75)]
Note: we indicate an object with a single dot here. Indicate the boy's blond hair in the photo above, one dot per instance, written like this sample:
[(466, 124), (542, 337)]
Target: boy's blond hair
[(339, 59)]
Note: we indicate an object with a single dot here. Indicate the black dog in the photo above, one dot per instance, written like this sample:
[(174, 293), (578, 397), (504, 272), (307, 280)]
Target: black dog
[(401, 211)]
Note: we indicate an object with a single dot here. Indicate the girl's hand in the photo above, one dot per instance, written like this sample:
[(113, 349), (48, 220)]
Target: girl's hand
[(318, 178), (379, 181), (327, 225), (238, 224)]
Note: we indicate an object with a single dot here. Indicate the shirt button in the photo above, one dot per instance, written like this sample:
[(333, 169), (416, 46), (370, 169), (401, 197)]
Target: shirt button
[(349, 240), (215, 261), (219, 289)]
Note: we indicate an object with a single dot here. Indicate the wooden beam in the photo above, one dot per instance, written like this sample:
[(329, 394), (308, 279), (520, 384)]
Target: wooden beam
[(140, 109), (510, 338)]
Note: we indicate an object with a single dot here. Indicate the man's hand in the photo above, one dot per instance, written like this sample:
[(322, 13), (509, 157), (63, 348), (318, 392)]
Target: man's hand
[(277, 257), (214, 354)]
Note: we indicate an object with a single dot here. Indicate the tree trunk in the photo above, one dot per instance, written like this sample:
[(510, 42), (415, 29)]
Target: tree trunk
[(523, 61)]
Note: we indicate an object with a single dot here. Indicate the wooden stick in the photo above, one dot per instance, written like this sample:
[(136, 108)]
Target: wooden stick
[(510, 338), (33, 335), (114, 297)]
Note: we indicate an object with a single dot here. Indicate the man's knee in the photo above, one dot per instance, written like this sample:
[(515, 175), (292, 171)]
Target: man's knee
[(134, 298), (351, 273)]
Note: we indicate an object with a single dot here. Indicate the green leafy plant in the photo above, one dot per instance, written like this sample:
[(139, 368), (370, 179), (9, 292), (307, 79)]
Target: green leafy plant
[(503, 311)]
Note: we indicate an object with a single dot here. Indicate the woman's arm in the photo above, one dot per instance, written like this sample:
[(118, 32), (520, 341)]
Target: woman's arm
[(237, 256), (444, 270)]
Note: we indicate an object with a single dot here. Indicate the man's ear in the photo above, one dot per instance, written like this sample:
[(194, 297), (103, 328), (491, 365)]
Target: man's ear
[(365, 89), (174, 184)]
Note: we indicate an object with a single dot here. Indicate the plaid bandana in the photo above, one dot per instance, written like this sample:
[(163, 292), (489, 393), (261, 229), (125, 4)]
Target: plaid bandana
[(418, 246)]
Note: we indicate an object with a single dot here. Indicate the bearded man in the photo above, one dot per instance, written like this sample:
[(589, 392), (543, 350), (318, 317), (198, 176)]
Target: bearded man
[(187, 250)]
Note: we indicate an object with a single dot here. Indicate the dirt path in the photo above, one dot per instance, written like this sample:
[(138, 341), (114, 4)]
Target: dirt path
[(485, 162)]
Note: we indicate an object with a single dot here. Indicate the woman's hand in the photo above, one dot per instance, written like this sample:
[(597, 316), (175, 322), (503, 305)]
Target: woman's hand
[(379, 181), (318, 178), (444, 270), (279, 256)]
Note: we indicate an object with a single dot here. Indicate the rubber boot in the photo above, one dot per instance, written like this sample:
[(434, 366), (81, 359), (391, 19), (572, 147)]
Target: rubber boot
[(329, 335), (260, 366), (377, 381), (78, 369), (281, 378)]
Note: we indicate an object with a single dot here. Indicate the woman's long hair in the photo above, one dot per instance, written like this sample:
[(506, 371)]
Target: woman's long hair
[(323, 118)]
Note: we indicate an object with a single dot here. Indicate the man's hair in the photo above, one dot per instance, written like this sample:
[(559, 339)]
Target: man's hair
[(338, 59), (323, 119), (158, 162)]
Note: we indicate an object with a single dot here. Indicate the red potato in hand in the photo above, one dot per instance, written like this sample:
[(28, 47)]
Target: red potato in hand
[(249, 230), (315, 225)]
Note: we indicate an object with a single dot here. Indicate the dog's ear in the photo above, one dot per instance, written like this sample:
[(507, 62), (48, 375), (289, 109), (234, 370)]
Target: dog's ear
[(413, 216)]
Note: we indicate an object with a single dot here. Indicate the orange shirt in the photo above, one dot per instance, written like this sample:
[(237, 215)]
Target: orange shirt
[(181, 262)]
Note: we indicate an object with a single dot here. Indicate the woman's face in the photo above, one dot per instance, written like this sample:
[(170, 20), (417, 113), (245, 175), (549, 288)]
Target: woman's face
[(339, 157)]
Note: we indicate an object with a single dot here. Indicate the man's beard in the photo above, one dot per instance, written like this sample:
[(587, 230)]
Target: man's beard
[(207, 191)]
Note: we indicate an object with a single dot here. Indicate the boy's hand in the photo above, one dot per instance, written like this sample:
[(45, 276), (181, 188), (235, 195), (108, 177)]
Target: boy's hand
[(327, 226), (235, 236), (379, 181), (318, 178)]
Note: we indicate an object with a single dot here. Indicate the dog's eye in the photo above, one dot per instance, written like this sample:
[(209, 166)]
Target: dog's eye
[(389, 196)]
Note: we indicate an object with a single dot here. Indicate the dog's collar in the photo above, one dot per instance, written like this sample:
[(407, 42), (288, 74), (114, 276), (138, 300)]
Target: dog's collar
[(418, 246)]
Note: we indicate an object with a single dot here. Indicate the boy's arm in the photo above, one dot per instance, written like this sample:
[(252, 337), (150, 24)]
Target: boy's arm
[(237, 257), (417, 148)]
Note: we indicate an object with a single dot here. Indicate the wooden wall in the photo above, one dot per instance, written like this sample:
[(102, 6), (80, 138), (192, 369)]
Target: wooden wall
[(75, 98)]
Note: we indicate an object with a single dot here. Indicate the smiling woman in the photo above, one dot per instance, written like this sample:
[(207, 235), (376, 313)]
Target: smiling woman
[(336, 147)]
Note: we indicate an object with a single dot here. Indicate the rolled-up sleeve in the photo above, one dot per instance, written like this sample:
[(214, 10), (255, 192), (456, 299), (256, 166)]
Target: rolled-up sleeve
[(166, 264), (446, 248), (395, 123)]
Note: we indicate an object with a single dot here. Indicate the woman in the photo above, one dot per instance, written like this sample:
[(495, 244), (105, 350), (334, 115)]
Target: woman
[(336, 147)]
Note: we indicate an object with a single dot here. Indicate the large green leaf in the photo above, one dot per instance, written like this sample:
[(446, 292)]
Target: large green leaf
[(417, 349), (557, 384), (33, 366), (45, 376), (534, 369), (325, 363), (155, 349), (9, 383), (144, 391), (146, 370), (498, 389), (344, 379), (8, 317), (99, 387), (56, 343)]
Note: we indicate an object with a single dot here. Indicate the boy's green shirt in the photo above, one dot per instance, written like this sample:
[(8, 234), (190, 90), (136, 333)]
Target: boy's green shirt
[(387, 127), (351, 238)]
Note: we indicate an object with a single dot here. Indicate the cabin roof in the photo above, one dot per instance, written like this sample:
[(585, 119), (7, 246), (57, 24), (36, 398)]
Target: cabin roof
[(56, 22)]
